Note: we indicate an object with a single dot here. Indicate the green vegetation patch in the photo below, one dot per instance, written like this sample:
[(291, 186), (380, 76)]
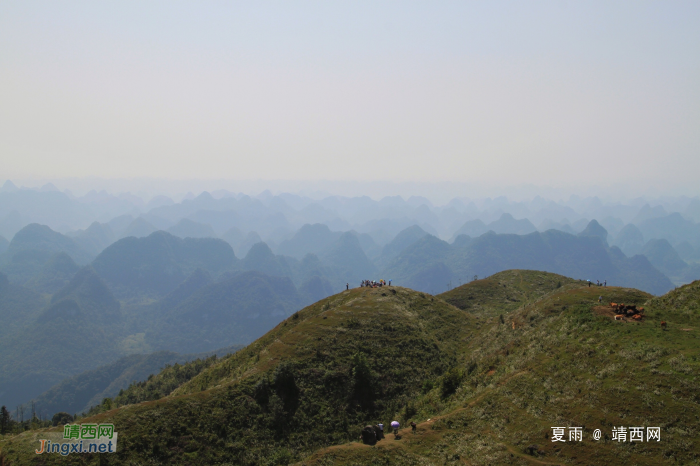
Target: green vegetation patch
[(505, 291)]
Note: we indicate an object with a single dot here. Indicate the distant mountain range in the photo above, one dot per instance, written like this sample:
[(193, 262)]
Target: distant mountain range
[(276, 218), (194, 276), (433, 265)]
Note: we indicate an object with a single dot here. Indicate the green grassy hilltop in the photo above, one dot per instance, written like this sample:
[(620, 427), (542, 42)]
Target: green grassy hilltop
[(505, 291), (485, 370)]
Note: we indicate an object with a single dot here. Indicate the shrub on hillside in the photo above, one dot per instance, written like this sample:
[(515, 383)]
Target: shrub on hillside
[(61, 418), (362, 383), (286, 387), (450, 382)]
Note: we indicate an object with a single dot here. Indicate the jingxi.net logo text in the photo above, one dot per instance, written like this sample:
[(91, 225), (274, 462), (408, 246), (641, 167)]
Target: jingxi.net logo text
[(80, 438)]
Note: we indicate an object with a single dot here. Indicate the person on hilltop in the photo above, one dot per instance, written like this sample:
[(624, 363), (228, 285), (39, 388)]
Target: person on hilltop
[(347, 286), (395, 425)]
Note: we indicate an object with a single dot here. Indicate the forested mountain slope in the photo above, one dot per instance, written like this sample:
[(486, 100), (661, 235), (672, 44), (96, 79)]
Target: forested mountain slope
[(81, 328)]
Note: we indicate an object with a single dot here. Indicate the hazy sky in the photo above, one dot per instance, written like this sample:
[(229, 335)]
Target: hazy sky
[(545, 93)]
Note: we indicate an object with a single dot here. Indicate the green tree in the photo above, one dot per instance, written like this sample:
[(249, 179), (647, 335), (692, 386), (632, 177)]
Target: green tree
[(362, 382), (4, 420), (261, 391), (61, 418), (107, 404), (286, 387), (277, 412), (451, 381)]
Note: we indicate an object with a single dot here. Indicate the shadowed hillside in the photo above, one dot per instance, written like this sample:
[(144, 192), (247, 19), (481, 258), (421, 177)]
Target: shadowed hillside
[(187, 228), (349, 260), (37, 237), (138, 228), (261, 259), (234, 311), (33, 247), (95, 238), (404, 239), (19, 306), (54, 275), (309, 239), (157, 264), (128, 374), (78, 330)]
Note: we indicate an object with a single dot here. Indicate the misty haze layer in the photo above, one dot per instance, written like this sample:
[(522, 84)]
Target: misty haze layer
[(499, 93)]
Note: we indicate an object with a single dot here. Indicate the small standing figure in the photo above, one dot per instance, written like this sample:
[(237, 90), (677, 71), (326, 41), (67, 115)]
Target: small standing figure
[(395, 426), (347, 286), (413, 427), (605, 283), (600, 299)]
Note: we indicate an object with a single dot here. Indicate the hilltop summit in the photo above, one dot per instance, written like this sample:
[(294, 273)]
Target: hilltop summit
[(595, 229)]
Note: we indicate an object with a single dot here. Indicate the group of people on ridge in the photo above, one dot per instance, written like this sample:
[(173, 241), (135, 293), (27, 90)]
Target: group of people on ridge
[(605, 283), (374, 284), (372, 434)]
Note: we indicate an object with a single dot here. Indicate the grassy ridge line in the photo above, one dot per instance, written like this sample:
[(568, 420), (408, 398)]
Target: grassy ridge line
[(505, 291), (562, 365)]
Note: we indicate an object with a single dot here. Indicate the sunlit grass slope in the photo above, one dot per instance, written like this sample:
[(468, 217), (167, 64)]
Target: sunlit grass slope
[(564, 364), (504, 291)]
